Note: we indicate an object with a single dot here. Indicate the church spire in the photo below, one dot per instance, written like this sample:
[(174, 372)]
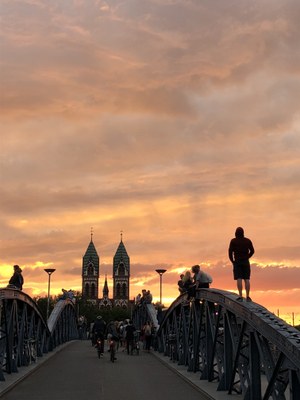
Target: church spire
[(105, 287), (92, 234)]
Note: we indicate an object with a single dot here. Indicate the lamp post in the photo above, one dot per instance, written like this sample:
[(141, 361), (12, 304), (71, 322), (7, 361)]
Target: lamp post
[(49, 272), (160, 272)]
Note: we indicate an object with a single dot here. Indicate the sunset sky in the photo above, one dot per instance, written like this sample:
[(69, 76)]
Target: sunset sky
[(174, 121)]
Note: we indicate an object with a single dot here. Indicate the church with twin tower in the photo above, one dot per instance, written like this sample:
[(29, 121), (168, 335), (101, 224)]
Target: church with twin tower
[(120, 275)]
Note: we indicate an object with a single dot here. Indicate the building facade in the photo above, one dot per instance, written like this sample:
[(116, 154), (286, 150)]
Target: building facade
[(120, 274), (90, 273)]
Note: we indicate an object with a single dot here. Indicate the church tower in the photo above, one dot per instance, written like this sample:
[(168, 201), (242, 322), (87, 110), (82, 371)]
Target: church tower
[(90, 273), (121, 275)]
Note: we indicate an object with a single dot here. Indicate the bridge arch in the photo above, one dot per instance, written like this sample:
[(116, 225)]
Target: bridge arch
[(242, 346), (25, 335)]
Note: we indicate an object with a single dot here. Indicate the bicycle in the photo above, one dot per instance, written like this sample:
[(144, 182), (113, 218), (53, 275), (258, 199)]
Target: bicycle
[(136, 343), (98, 346), (112, 349)]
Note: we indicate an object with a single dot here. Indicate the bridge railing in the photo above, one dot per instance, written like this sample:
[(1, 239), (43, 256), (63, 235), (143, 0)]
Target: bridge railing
[(144, 312), (242, 346), (25, 335)]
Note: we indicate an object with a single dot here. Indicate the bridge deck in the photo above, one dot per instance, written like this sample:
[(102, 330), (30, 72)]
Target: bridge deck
[(76, 373)]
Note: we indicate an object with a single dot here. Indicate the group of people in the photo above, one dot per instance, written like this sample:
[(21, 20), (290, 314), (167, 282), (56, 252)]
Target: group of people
[(144, 298), (194, 279), (239, 252), (124, 333)]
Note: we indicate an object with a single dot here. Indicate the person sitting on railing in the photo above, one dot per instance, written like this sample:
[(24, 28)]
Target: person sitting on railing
[(17, 279), (144, 295), (201, 278), (180, 284), (67, 294), (188, 284), (149, 297), (138, 299), (187, 280)]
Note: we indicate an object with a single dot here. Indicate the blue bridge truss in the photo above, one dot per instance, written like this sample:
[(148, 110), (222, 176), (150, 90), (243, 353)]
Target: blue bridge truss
[(242, 346), (25, 335)]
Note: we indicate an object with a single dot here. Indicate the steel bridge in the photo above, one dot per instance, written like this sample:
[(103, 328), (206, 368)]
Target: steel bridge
[(240, 347), (243, 347), (25, 335)]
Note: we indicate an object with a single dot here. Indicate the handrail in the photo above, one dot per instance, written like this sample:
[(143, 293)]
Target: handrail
[(238, 344)]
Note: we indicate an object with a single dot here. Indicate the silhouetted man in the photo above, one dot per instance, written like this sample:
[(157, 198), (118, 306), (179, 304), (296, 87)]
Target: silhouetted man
[(240, 250), (98, 331)]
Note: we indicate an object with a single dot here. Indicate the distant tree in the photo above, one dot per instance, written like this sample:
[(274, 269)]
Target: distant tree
[(157, 305), (85, 308), (114, 314), (42, 304), (91, 311)]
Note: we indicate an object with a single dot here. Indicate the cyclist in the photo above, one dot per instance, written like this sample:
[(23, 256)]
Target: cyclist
[(99, 331), (112, 338)]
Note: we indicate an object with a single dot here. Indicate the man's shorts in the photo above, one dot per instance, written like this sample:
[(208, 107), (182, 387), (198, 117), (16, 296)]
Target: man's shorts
[(241, 269)]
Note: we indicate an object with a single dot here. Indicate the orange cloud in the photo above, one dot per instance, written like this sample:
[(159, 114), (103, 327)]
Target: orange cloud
[(175, 122)]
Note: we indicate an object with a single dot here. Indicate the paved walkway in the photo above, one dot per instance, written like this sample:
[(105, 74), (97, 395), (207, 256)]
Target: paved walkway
[(75, 373)]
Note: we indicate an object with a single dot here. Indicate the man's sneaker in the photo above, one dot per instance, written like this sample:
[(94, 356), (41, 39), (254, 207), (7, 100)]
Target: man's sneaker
[(239, 299), (249, 298)]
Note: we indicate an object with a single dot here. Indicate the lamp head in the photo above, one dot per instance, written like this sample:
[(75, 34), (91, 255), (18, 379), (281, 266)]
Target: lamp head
[(49, 270), (160, 271)]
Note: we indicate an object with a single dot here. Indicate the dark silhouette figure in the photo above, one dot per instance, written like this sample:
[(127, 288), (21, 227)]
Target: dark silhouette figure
[(201, 278), (188, 284), (98, 331), (17, 279), (130, 330), (239, 252), (181, 284)]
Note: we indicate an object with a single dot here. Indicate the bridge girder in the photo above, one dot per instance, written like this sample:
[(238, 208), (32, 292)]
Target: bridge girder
[(25, 335), (242, 346)]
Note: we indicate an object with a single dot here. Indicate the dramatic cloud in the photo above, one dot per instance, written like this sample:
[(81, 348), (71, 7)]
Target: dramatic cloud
[(174, 121)]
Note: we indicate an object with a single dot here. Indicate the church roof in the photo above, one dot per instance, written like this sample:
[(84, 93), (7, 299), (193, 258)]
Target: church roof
[(121, 255), (91, 255)]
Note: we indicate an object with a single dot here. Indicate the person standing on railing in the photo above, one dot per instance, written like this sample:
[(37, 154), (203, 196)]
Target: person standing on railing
[(239, 252), (17, 279)]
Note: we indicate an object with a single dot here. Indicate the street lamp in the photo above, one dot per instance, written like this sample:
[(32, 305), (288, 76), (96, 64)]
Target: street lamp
[(160, 272), (49, 272)]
